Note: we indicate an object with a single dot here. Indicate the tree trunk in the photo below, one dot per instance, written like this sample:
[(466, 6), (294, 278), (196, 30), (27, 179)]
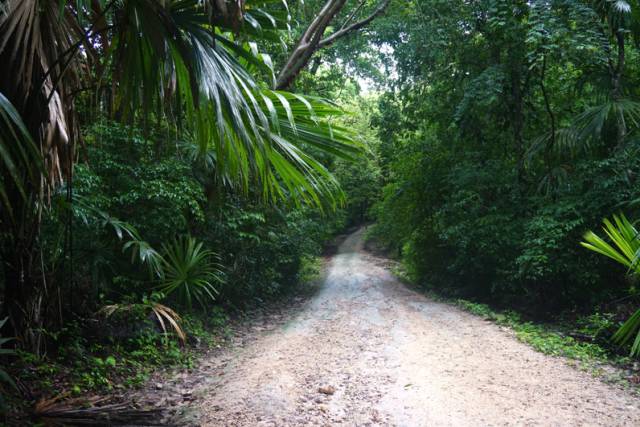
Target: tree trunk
[(308, 43), (621, 125), (517, 119), (23, 299), (551, 142)]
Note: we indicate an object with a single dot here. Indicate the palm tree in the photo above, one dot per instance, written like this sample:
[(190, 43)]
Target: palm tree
[(184, 61)]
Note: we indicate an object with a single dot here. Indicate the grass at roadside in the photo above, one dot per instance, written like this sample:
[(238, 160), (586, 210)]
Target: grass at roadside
[(83, 365)]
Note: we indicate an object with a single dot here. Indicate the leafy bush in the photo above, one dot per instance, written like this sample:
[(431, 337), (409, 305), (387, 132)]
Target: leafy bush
[(263, 249)]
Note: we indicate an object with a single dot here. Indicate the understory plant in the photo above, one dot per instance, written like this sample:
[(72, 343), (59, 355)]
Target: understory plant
[(163, 314), (189, 272), (624, 249)]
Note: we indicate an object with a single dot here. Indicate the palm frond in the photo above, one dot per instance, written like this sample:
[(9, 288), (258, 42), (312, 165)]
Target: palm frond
[(615, 12), (630, 330), (141, 251), (162, 314), (180, 59), (590, 124), (19, 156), (626, 251), (233, 119), (39, 55), (189, 272), (623, 235)]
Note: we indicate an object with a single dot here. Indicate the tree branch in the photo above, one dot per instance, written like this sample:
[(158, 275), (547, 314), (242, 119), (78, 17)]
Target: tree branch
[(308, 43), (353, 14), (311, 40), (355, 26)]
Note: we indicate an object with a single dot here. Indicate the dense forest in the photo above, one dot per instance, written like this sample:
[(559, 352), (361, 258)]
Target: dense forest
[(511, 131), (168, 163)]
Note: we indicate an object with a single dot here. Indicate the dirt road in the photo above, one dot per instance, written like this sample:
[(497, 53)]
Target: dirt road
[(368, 351)]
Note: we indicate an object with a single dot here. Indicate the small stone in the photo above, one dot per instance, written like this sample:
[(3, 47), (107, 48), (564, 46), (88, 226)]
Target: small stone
[(159, 386), (328, 390)]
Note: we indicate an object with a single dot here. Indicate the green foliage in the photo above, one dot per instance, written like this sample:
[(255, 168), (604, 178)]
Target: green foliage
[(541, 337), (630, 330), (171, 104), (310, 268), (264, 249), (148, 219), (623, 235), (625, 238), (598, 326), (129, 350), (20, 159), (510, 130), (154, 156), (126, 173), (258, 135), (189, 272), (361, 181), (163, 195)]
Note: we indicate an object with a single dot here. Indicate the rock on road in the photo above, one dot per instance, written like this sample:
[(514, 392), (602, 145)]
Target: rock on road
[(368, 351)]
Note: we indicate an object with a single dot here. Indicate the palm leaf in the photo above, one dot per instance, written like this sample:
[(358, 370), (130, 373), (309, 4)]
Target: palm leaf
[(39, 70), (176, 59), (590, 123), (161, 312), (629, 330), (625, 241), (189, 272), (19, 156), (626, 251)]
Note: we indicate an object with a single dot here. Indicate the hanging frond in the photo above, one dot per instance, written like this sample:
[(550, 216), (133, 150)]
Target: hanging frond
[(187, 61), (162, 314), (251, 132), (19, 156), (38, 52)]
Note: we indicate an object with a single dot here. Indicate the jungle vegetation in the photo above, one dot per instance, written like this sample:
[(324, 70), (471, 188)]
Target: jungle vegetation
[(156, 167), (170, 161), (510, 131)]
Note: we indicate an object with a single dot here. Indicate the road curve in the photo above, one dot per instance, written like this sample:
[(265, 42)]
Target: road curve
[(366, 351)]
